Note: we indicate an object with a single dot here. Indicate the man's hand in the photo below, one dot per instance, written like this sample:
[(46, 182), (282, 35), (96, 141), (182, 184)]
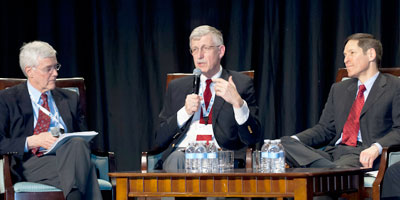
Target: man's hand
[(227, 90), (368, 156), (44, 139), (192, 103)]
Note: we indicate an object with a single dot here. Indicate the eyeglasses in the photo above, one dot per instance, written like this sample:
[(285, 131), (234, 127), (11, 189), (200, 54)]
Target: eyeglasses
[(50, 69), (205, 49)]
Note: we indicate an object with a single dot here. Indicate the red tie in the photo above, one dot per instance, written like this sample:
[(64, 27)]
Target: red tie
[(42, 124), (352, 125), (207, 97)]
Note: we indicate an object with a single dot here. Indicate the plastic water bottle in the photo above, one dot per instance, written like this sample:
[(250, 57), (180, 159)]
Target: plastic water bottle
[(200, 157), (281, 165), (212, 158), (189, 157), (275, 153), (265, 160)]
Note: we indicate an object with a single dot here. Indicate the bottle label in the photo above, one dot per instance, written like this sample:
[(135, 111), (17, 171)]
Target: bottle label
[(211, 155), (264, 154), (189, 155), (199, 155), (274, 154)]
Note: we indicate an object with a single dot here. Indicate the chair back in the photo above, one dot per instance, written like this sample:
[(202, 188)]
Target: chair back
[(342, 72), (76, 84), (173, 76)]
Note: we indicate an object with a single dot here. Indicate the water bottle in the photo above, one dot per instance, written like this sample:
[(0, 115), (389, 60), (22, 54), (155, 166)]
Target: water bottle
[(265, 160), (274, 153), (200, 157), (212, 158), (189, 157), (281, 165)]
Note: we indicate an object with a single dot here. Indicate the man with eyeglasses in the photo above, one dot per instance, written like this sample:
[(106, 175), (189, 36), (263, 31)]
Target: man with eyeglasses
[(230, 118), (28, 112)]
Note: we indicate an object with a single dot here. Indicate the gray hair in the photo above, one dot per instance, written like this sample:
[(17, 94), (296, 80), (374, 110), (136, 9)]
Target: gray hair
[(203, 30), (32, 51)]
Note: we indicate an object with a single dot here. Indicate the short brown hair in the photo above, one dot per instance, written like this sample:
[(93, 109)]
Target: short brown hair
[(367, 41)]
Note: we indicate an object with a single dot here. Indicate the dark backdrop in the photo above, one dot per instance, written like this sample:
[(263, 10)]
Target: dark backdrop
[(124, 49)]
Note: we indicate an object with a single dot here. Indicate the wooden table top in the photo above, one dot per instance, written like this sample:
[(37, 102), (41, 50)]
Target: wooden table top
[(289, 172)]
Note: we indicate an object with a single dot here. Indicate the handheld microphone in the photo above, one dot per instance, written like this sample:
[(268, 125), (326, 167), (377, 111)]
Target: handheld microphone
[(55, 131), (196, 80)]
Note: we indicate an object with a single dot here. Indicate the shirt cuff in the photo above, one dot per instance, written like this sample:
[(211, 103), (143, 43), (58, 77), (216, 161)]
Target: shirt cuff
[(295, 137), (26, 145), (182, 117), (242, 113), (379, 147)]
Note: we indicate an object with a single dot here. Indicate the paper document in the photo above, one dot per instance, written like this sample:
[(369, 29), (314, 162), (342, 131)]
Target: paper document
[(87, 135), (373, 173)]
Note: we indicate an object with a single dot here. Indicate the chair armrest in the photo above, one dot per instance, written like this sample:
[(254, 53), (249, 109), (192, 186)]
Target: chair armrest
[(105, 163), (144, 162), (249, 158), (376, 186), (8, 185)]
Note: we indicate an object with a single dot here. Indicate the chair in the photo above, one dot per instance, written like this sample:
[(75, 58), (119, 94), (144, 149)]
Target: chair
[(149, 159), (372, 185), (104, 162)]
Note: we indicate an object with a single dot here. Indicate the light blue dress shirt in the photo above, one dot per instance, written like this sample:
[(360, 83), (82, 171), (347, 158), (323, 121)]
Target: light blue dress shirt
[(56, 120)]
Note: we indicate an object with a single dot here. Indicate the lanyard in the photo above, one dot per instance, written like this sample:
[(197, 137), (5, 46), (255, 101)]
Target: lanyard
[(48, 113), (206, 112)]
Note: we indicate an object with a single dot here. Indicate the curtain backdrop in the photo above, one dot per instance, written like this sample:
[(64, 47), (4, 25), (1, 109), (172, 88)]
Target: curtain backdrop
[(124, 49)]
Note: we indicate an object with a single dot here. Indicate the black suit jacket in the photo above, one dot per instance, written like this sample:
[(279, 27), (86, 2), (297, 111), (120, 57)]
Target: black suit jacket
[(379, 119), (16, 119), (227, 132)]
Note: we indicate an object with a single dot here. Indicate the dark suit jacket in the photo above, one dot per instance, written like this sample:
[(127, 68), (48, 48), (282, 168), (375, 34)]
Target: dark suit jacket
[(16, 119), (379, 119), (227, 132)]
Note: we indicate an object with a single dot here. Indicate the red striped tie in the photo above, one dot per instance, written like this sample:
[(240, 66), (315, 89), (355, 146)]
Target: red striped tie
[(207, 97), (352, 125), (42, 124)]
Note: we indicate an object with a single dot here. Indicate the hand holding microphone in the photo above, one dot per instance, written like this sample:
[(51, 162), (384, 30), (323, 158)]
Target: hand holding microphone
[(192, 102)]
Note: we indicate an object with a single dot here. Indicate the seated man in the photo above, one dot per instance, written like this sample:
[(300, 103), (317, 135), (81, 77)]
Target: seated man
[(28, 111), (361, 116), (391, 183), (225, 109)]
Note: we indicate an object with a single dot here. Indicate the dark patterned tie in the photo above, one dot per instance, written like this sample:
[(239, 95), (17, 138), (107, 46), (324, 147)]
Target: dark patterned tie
[(42, 124), (207, 97), (352, 125)]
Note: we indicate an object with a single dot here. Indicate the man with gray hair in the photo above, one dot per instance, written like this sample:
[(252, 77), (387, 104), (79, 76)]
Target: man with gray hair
[(223, 112), (28, 111)]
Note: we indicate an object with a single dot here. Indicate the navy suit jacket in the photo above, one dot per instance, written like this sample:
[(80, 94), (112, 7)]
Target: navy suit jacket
[(16, 119), (227, 132)]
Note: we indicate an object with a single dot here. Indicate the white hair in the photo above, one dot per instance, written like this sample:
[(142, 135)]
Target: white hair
[(31, 52), (203, 30)]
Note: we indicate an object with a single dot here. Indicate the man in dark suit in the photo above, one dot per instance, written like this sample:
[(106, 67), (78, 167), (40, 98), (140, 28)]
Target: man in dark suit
[(28, 112), (361, 116), (230, 119)]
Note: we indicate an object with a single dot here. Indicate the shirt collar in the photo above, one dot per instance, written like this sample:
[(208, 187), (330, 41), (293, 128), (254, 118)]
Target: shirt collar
[(35, 94), (369, 83), (217, 75)]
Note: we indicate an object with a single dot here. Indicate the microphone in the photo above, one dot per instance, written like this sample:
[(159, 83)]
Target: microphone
[(55, 131), (196, 80)]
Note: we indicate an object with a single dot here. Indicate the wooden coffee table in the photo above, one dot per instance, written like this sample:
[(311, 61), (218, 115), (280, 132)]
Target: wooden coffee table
[(300, 183)]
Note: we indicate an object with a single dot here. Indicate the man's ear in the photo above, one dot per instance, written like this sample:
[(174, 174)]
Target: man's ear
[(28, 71), (371, 53)]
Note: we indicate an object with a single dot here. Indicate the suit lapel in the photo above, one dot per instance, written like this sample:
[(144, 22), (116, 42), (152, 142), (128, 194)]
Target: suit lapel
[(219, 102), (25, 104), (62, 106), (351, 96), (376, 91)]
